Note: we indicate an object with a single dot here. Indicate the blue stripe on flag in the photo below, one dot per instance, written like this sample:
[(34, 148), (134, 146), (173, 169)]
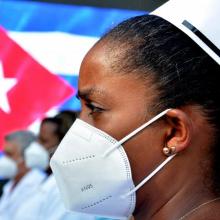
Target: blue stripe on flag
[(72, 103), (27, 16), (81, 20)]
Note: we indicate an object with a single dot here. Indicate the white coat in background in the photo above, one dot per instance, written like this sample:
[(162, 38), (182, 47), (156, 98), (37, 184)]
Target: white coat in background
[(12, 200)]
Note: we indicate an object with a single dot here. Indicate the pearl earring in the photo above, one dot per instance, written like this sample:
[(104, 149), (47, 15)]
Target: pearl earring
[(168, 151)]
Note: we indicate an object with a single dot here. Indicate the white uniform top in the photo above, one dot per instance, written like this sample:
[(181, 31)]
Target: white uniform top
[(12, 200), (46, 204)]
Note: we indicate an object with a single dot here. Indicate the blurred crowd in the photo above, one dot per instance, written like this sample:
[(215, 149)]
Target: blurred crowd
[(29, 190)]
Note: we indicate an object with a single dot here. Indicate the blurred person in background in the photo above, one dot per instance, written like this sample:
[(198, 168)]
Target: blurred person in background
[(2, 183), (46, 203), (53, 129), (50, 133), (23, 180)]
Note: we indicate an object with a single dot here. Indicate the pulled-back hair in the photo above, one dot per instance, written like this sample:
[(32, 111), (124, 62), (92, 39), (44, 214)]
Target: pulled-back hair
[(182, 72)]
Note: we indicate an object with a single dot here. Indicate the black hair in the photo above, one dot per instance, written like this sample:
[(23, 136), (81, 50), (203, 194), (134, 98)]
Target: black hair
[(63, 122), (181, 71), (67, 117)]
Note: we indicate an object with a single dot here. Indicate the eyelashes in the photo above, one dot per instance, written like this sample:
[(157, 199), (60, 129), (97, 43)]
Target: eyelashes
[(93, 108)]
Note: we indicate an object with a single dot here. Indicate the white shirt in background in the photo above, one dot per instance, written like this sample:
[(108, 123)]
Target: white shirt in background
[(12, 200)]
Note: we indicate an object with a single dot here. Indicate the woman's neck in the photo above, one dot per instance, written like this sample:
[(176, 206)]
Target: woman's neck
[(171, 195)]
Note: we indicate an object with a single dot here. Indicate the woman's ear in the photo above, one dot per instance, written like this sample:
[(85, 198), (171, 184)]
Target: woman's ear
[(179, 132)]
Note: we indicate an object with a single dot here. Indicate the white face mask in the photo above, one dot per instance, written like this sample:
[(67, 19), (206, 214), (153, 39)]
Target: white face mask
[(8, 167), (93, 172), (36, 156)]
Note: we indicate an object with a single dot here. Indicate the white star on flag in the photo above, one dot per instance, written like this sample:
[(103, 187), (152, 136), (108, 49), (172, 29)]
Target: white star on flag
[(5, 86)]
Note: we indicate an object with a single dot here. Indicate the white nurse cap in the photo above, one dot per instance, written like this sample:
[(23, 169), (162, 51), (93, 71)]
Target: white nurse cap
[(199, 19)]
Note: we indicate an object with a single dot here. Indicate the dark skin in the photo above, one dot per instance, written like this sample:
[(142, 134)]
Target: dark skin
[(47, 135), (13, 150), (48, 138), (117, 104)]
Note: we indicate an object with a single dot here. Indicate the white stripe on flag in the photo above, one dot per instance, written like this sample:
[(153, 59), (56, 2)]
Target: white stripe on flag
[(58, 52)]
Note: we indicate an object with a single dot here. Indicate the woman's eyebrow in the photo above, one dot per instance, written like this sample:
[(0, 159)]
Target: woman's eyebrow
[(86, 94)]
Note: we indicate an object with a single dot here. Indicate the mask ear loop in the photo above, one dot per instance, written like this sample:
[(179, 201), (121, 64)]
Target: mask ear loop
[(149, 176), (119, 143)]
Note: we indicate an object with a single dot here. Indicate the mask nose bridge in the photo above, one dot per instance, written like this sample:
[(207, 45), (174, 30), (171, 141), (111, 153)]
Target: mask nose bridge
[(133, 133)]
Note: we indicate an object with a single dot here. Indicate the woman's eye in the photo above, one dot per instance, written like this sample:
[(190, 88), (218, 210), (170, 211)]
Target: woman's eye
[(94, 109)]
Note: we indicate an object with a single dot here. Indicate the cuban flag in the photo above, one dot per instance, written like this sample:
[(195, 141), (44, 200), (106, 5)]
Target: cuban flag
[(41, 48)]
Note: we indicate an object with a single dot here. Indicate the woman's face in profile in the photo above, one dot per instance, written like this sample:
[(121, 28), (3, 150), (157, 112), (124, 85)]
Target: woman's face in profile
[(118, 104)]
